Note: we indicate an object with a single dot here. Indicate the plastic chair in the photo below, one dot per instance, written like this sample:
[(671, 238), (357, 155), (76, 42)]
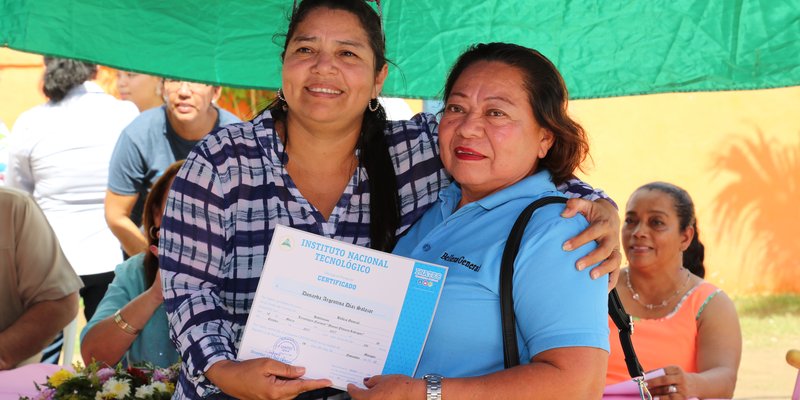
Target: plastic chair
[(793, 358), (68, 348)]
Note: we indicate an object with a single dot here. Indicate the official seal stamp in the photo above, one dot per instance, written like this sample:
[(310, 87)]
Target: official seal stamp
[(285, 350)]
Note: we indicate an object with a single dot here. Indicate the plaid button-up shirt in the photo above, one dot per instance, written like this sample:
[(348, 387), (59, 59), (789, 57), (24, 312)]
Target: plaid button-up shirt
[(223, 207)]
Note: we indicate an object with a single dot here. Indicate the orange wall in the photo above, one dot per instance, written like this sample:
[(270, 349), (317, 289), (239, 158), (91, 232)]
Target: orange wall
[(679, 138)]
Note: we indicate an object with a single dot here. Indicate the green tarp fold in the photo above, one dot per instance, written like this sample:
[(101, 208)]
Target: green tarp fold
[(603, 47)]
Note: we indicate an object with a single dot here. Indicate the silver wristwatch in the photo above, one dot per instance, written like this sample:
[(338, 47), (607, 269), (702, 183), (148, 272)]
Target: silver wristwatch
[(433, 384)]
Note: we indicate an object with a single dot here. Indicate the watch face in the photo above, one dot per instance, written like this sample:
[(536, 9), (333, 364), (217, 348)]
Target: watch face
[(432, 377)]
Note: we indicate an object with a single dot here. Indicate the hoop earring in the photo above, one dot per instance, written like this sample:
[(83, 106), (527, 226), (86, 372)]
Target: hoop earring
[(154, 230), (377, 105), (285, 105)]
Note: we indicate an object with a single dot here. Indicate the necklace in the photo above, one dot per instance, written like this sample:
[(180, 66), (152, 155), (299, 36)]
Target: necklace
[(666, 301)]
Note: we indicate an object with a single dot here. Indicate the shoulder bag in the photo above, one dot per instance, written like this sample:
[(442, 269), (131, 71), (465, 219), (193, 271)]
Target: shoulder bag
[(621, 319)]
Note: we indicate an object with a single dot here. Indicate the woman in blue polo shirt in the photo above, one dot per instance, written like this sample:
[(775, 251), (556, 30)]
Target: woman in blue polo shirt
[(507, 140)]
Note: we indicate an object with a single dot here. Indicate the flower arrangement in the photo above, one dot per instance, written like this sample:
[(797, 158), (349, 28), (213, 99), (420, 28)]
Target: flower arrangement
[(98, 382)]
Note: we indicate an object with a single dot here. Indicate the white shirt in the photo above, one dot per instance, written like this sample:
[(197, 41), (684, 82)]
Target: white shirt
[(396, 108), (3, 152), (60, 154)]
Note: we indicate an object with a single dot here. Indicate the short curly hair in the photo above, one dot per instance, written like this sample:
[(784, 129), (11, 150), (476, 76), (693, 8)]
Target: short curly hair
[(63, 74)]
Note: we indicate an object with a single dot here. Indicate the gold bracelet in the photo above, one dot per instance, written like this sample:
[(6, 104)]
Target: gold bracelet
[(126, 327)]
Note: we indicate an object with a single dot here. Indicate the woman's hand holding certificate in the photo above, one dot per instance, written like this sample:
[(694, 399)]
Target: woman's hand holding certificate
[(278, 380)]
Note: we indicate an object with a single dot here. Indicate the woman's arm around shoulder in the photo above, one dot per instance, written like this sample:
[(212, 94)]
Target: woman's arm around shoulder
[(603, 215)]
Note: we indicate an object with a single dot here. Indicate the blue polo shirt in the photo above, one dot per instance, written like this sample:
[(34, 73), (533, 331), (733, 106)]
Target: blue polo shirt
[(146, 148), (555, 304)]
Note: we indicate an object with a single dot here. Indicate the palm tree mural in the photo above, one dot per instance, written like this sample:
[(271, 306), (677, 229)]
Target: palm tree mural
[(764, 200)]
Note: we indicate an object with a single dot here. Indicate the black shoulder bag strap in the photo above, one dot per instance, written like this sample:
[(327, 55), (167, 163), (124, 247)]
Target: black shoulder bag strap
[(621, 318), (624, 324)]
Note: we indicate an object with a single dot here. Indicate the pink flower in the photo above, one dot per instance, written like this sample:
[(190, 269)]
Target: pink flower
[(105, 374), (159, 375), (46, 394), (165, 375)]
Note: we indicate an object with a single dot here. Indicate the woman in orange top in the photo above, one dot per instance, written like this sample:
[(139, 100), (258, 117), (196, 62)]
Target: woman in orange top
[(682, 323)]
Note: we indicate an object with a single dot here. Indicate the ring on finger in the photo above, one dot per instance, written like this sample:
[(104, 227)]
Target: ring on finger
[(672, 389)]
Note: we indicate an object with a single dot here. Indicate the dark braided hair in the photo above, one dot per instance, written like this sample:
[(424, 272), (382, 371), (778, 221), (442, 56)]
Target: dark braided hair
[(384, 206), (694, 255), (63, 74)]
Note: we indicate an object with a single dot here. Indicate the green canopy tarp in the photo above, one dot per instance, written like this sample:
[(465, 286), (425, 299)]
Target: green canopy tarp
[(603, 48)]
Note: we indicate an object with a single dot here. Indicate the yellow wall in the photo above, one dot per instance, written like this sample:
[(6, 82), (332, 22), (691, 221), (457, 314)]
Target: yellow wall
[(678, 138), (20, 83)]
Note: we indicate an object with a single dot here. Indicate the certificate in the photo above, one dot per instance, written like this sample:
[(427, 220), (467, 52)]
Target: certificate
[(344, 312)]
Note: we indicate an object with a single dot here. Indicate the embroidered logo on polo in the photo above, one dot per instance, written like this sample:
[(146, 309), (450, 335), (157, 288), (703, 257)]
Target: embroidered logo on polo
[(461, 261)]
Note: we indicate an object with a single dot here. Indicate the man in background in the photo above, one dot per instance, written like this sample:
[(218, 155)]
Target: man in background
[(38, 288)]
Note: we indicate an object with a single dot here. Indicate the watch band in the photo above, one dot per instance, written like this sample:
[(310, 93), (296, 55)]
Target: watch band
[(125, 326), (433, 386)]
